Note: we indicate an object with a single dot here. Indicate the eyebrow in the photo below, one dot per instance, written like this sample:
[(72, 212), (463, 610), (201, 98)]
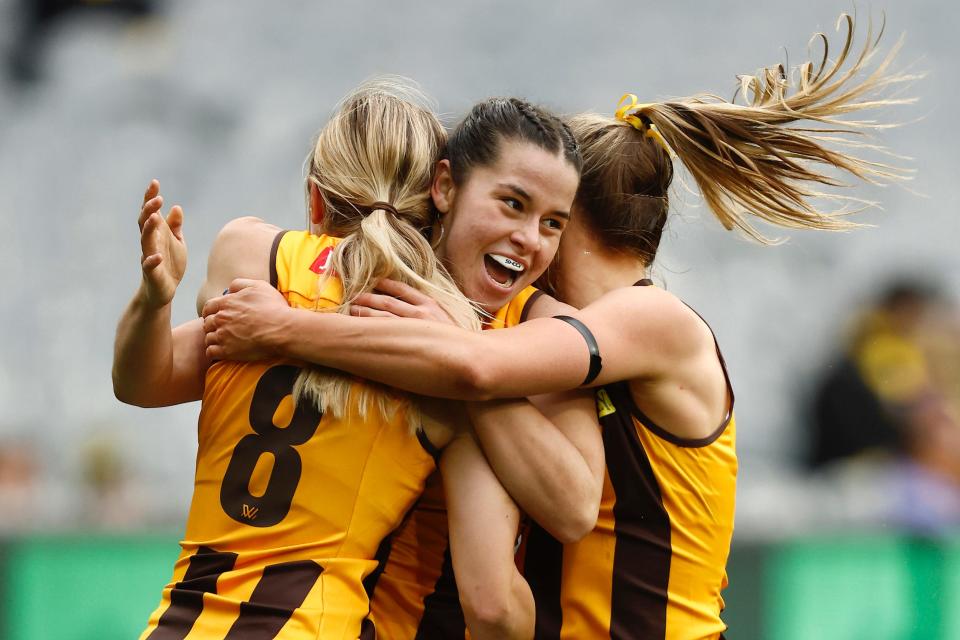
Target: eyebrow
[(520, 191), (516, 189)]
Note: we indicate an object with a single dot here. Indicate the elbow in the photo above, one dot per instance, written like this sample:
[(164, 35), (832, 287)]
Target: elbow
[(128, 393), (577, 526), (487, 611), (476, 378), (121, 391), (577, 521)]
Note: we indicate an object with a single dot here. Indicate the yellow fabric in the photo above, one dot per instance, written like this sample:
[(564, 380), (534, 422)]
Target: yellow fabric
[(697, 487), (418, 549), (354, 481)]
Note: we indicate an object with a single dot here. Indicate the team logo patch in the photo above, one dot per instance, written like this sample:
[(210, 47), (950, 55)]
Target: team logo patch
[(322, 262), (604, 404)]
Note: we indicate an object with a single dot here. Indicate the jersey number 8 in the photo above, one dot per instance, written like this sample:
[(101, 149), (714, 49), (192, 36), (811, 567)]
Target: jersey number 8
[(270, 508)]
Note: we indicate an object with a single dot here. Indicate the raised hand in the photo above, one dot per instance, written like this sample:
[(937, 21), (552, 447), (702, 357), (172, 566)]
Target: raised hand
[(163, 257)]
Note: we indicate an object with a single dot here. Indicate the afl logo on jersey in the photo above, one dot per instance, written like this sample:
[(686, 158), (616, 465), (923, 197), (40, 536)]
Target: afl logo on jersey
[(322, 262)]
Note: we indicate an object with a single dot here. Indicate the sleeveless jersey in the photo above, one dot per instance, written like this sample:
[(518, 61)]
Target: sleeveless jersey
[(416, 596), (654, 565), (291, 508)]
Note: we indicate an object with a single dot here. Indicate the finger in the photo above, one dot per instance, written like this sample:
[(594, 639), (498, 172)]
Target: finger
[(211, 307), (148, 235), (239, 284), (152, 190), (211, 339), (402, 291), (151, 262), (175, 221), (361, 311), (149, 207), (215, 352), (385, 303), (210, 323)]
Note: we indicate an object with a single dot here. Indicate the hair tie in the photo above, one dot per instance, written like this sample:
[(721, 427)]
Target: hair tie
[(385, 206), (626, 112)]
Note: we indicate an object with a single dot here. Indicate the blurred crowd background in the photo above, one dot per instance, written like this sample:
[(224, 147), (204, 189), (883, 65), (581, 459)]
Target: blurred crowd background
[(844, 349)]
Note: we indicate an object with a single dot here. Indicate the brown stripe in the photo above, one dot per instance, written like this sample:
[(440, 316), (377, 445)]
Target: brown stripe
[(274, 277), (186, 597), (442, 613), (529, 305), (282, 589), (368, 631), (543, 568), (641, 559)]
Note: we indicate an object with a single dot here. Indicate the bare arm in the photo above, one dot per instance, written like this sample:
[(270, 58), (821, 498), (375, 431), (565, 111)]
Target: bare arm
[(548, 453), (497, 601), (153, 364), (642, 333)]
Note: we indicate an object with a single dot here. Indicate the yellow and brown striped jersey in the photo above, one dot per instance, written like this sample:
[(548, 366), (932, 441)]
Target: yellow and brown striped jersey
[(292, 508), (416, 596), (654, 565)]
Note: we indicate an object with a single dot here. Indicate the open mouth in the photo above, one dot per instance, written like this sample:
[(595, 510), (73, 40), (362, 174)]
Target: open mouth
[(501, 269)]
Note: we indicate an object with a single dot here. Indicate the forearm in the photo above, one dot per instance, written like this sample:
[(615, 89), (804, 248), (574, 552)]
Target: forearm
[(437, 359), (541, 468), (151, 366), (483, 522)]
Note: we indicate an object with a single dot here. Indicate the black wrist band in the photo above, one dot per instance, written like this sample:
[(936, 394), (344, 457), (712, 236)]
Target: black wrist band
[(596, 363)]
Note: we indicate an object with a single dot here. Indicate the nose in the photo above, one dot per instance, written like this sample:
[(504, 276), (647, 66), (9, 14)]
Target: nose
[(527, 236)]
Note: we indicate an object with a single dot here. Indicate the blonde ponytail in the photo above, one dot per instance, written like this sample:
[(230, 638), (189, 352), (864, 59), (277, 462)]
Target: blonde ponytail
[(373, 164), (748, 160)]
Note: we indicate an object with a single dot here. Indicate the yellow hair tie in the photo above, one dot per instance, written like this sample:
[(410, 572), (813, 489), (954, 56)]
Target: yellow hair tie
[(625, 112)]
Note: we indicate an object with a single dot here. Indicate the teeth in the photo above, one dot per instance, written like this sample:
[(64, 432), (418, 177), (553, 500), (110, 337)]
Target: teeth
[(509, 263)]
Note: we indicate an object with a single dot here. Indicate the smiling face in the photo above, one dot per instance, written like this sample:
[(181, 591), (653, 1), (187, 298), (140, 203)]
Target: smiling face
[(502, 224)]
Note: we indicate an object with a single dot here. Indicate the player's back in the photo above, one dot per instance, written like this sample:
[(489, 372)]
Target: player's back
[(290, 506)]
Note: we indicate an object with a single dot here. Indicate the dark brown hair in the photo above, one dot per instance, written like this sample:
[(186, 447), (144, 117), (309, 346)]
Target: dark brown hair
[(476, 139)]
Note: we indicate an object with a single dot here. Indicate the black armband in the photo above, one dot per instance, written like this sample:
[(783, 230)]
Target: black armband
[(596, 362)]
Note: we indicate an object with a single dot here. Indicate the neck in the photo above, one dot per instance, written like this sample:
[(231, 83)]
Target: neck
[(600, 272)]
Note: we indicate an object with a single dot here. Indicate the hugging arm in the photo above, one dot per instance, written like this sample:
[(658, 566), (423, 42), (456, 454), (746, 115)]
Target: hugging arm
[(548, 454), (483, 521), (640, 331)]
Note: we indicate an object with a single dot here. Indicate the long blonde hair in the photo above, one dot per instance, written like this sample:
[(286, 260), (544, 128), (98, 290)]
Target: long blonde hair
[(380, 147), (746, 160)]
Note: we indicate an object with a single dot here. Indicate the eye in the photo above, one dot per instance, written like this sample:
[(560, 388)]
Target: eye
[(554, 223), (513, 203)]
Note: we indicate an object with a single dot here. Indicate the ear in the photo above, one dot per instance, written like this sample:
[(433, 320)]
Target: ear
[(316, 205), (442, 190)]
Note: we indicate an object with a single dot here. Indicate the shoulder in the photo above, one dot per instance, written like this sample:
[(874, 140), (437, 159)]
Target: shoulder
[(543, 305), (654, 321), (242, 249), (247, 231)]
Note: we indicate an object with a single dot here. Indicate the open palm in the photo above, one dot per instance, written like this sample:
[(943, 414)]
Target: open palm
[(163, 250)]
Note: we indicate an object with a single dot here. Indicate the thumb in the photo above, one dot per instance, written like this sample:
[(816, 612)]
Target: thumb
[(175, 221)]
